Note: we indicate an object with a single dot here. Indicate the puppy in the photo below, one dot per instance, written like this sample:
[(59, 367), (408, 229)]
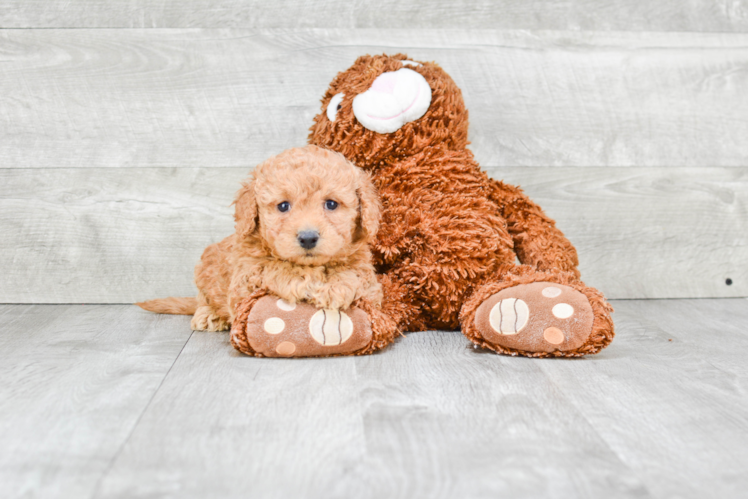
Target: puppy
[(303, 224)]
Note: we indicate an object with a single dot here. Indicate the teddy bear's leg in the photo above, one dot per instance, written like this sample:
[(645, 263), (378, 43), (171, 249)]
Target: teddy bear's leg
[(267, 326), (538, 314)]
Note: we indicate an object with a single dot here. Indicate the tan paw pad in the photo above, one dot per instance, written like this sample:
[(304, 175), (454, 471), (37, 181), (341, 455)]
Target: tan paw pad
[(285, 306), (562, 311), (509, 316), (285, 348), (553, 335), (274, 325), (330, 327), (536, 317), (276, 328)]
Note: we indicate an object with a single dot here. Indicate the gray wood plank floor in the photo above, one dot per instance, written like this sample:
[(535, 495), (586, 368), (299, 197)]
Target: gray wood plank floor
[(112, 401), (74, 380)]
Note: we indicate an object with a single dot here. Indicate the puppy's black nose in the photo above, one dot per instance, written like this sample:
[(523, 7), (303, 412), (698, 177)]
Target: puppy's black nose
[(308, 239)]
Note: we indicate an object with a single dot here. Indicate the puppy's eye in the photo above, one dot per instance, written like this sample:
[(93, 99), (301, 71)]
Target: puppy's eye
[(331, 205), (284, 206), (334, 106)]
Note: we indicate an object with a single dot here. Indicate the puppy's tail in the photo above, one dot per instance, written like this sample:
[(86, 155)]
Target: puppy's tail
[(170, 305)]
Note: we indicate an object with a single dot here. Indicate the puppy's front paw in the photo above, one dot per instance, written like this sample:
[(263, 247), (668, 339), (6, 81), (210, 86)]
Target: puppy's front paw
[(337, 296), (276, 328)]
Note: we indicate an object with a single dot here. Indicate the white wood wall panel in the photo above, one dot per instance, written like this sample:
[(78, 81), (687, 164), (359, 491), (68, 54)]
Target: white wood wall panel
[(121, 235), (107, 235), (621, 15), (204, 98)]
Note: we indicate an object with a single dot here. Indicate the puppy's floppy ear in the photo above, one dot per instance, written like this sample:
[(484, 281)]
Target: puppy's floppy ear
[(369, 206), (246, 215)]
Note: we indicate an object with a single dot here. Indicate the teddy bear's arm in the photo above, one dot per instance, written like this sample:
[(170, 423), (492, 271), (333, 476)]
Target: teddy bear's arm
[(537, 240)]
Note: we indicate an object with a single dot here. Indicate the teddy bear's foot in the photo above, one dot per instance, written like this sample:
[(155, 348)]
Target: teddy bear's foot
[(537, 317), (541, 319), (276, 328)]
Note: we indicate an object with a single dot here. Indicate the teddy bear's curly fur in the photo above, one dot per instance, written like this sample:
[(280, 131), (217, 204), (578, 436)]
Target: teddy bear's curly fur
[(450, 236)]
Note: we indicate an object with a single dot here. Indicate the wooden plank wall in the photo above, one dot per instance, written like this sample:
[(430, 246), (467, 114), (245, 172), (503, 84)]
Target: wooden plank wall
[(593, 15), (125, 127)]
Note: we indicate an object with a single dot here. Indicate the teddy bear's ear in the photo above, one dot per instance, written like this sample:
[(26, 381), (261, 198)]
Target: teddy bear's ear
[(368, 205), (246, 214)]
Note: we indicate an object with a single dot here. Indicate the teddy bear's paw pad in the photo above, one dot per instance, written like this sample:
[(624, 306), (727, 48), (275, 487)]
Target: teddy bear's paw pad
[(276, 328), (536, 317)]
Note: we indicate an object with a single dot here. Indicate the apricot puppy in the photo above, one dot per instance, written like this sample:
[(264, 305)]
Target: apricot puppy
[(303, 224)]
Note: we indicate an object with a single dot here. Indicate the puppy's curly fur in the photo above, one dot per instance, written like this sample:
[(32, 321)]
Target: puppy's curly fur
[(328, 197)]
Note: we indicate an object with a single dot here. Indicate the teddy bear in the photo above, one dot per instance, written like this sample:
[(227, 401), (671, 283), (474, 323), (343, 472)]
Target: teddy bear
[(456, 250)]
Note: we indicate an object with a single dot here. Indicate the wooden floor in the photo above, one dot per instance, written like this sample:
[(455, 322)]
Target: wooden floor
[(112, 401)]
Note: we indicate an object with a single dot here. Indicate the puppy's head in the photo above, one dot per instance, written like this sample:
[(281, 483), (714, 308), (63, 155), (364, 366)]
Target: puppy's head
[(308, 206)]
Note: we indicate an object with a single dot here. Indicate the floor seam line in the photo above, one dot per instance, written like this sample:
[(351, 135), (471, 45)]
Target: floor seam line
[(594, 428), (95, 491)]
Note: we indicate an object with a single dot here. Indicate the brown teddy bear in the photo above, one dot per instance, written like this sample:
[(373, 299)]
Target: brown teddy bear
[(450, 236)]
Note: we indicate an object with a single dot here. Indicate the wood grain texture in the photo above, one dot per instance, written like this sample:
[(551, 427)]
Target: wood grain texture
[(73, 382), (649, 232), (445, 420), (620, 15), (232, 97), (110, 235), (427, 417), (670, 396), (122, 235), (432, 417), (224, 424), (660, 413)]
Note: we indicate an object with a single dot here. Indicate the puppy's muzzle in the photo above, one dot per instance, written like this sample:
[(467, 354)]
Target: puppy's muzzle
[(308, 239)]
